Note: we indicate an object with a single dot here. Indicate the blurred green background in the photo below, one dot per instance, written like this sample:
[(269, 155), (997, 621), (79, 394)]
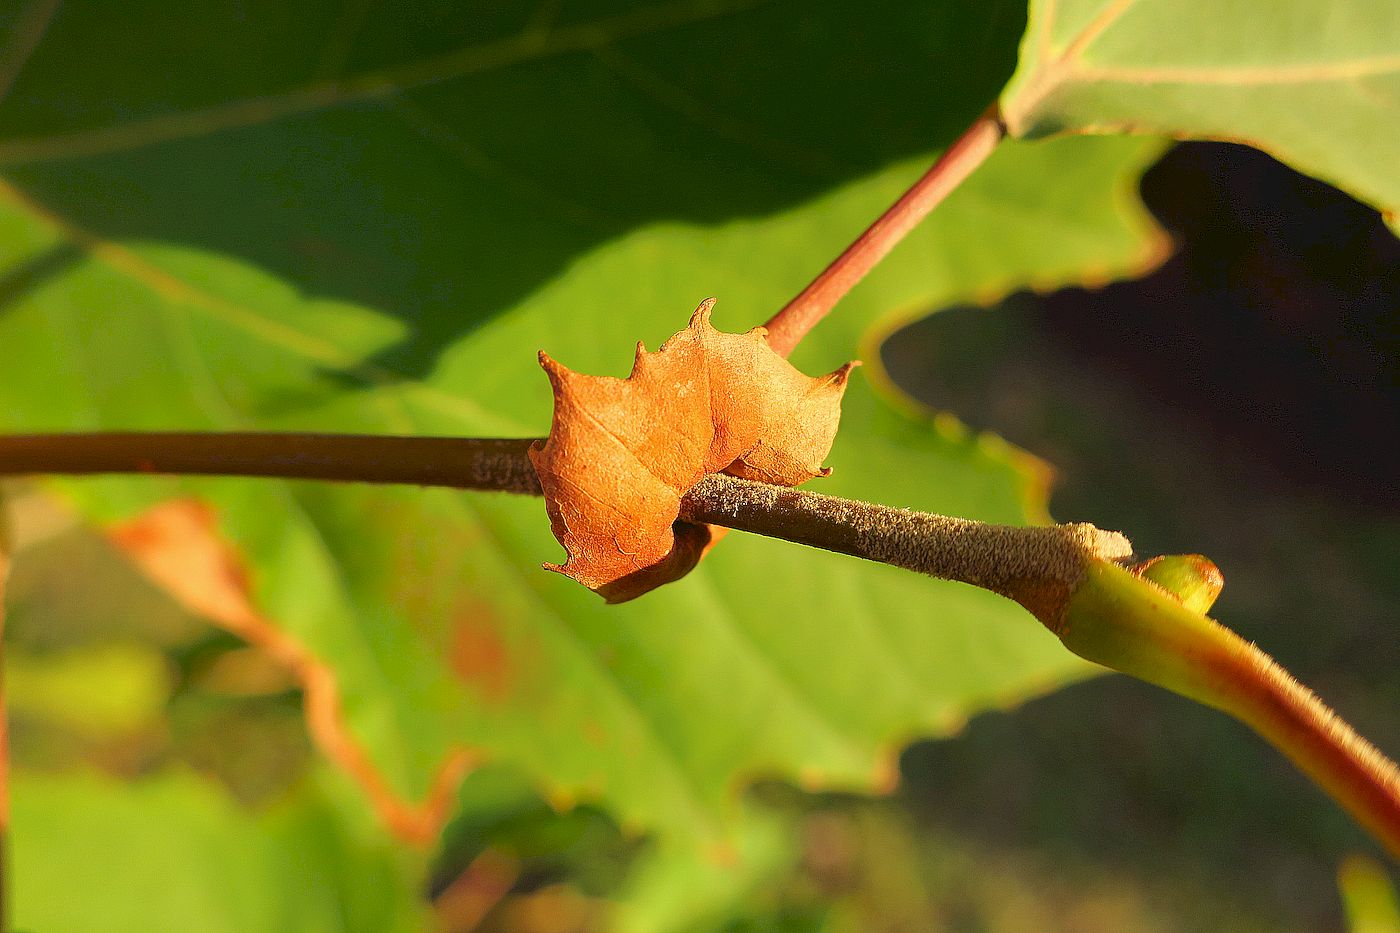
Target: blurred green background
[(1239, 401)]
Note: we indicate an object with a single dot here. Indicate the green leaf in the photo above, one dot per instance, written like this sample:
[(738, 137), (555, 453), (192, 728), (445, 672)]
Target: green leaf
[(111, 688), (209, 245), (172, 852), (1368, 896), (680, 888), (1315, 84)]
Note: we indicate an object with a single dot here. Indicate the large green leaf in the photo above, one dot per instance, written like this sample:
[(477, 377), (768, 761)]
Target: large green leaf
[(263, 217), (1316, 84), (172, 852)]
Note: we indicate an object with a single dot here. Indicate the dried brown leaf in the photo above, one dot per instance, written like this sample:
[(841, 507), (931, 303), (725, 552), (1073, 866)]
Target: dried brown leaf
[(622, 452), (178, 547)]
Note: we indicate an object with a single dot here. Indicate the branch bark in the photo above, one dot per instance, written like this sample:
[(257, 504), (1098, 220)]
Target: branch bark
[(458, 462), (1003, 558), (1039, 567)]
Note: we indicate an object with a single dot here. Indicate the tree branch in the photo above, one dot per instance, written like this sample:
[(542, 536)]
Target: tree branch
[(1146, 621), (1036, 566), (1003, 558), (787, 328), (458, 462)]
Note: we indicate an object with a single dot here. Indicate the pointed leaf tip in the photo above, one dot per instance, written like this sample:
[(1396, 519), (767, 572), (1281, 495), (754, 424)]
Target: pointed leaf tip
[(839, 377), (702, 312)]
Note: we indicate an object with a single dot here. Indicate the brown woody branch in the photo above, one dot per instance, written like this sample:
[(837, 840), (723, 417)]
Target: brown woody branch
[(461, 463), (997, 557)]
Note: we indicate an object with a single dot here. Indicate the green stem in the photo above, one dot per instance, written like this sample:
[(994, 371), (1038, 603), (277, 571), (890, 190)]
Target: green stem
[(1127, 623)]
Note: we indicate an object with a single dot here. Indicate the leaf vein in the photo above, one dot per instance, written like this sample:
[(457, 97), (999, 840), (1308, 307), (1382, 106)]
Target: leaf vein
[(183, 294), (1319, 72), (528, 581), (378, 85), (24, 39)]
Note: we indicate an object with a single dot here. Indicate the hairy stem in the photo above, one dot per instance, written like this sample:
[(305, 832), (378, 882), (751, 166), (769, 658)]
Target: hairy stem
[(1124, 622), (1036, 566), (1258, 691), (787, 328)]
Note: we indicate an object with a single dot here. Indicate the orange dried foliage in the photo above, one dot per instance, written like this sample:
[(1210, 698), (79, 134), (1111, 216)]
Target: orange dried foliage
[(622, 452), (177, 546)]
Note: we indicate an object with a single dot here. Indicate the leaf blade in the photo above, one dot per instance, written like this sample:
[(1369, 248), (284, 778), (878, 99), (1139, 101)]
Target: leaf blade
[(1316, 85), (341, 270)]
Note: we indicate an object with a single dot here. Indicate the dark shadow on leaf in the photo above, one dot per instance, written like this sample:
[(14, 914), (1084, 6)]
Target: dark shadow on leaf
[(445, 204), (18, 281)]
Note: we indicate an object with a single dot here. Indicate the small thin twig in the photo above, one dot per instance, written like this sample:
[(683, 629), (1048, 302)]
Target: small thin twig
[(459, 462), (787, 328)]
